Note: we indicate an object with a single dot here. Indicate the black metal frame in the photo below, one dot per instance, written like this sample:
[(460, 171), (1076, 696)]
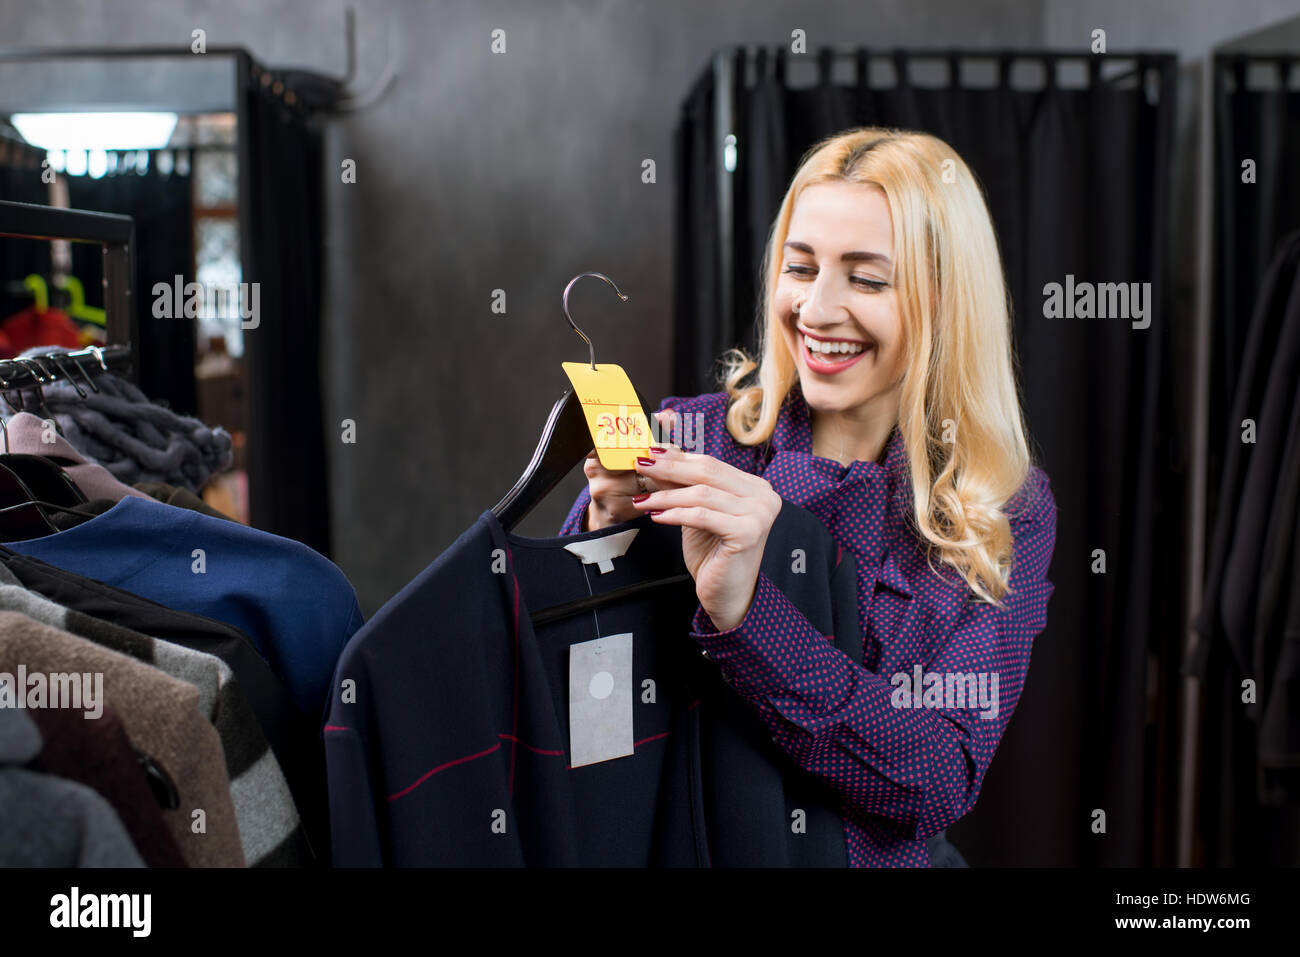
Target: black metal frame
[(116, 234), (244, 59), (303, 91), (116, 266)]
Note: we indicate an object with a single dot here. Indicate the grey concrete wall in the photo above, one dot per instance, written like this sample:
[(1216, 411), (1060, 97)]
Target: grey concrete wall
[(1190, 28)]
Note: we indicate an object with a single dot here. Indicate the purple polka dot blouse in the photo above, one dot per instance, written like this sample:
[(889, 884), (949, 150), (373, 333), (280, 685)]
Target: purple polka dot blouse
[(906, 765)]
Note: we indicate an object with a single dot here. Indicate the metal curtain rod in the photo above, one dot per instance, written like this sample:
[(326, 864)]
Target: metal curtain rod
[(939, 53), (1133, 65), (1282, 56)]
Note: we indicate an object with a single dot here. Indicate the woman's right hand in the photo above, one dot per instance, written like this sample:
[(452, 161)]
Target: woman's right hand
[(612, 490)]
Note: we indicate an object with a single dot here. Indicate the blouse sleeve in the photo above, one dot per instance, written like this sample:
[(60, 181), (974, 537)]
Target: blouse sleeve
[(577, 516), (918, 767)]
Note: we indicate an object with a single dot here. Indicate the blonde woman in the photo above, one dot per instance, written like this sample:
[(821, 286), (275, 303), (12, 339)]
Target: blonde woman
[(883, 400)]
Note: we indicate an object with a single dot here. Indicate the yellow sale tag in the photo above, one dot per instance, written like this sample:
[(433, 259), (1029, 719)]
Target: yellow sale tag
[(619, 428)]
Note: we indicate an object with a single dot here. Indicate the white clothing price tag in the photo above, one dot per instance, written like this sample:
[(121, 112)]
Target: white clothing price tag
[(600, 699), (601, 552)]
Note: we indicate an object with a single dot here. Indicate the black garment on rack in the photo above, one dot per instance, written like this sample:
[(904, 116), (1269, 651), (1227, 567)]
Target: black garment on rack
[(20, 182), (459, 716), (1262, 341), (1277, 634), (1271, 406), (1250, 753), (746, 773), (293, 738)]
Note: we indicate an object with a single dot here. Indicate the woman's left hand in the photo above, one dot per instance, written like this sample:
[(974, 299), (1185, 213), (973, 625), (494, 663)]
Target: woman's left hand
[(725, 514)]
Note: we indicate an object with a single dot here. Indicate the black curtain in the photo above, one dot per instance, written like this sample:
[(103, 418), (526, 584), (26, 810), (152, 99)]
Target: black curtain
[(1077, 180), (20, 182), (1256, 118), (1252, 121), (281, 200), (160, 204)]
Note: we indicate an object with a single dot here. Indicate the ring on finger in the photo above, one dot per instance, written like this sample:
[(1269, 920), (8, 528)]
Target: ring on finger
[(640, 481)]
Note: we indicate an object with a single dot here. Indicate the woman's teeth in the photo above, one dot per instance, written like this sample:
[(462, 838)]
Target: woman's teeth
[(833, 348)]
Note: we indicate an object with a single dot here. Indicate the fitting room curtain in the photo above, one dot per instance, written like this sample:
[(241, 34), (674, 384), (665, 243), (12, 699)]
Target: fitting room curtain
[(1075, 171), (20, 182), (155, 192), (282, 225), (159, 203), (1255, 119)]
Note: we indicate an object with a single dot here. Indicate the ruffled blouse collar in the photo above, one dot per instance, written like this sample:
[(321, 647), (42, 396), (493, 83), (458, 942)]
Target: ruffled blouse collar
[(793, 433), (836, 492)]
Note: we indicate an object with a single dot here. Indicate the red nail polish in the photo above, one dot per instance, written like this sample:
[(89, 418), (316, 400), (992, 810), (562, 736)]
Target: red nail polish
[(641, 498), (659, 511), (657, 449), (642, 461)]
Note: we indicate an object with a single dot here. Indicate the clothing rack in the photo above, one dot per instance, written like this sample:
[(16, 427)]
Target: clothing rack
[(77, 367), (116, 234)]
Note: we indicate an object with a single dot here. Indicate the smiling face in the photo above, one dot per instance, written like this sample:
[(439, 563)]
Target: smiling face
[(836, 300)]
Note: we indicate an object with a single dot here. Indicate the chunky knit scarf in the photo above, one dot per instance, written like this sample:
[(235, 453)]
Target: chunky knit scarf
[(135, 439)]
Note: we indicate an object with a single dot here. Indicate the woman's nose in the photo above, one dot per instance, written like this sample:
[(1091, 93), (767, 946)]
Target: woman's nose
[(821, 305)]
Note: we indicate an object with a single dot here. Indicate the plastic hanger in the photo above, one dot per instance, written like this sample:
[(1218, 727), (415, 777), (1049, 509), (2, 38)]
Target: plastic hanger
[(23, 511), (77, 308), (569, 608), (40, 292), (19, 520), (44, 478), (565, 440)]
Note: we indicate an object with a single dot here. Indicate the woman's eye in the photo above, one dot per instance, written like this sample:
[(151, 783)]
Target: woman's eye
[(871, 285)]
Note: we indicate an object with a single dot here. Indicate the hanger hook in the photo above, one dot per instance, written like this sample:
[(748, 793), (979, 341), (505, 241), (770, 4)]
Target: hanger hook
[(28, 363), (598, 275), (37, 368), (57, 361), (4, 421), (90, 383), (6, 387)]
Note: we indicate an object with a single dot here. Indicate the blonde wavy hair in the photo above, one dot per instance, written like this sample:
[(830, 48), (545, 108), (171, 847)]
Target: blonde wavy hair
[(960, 368)]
